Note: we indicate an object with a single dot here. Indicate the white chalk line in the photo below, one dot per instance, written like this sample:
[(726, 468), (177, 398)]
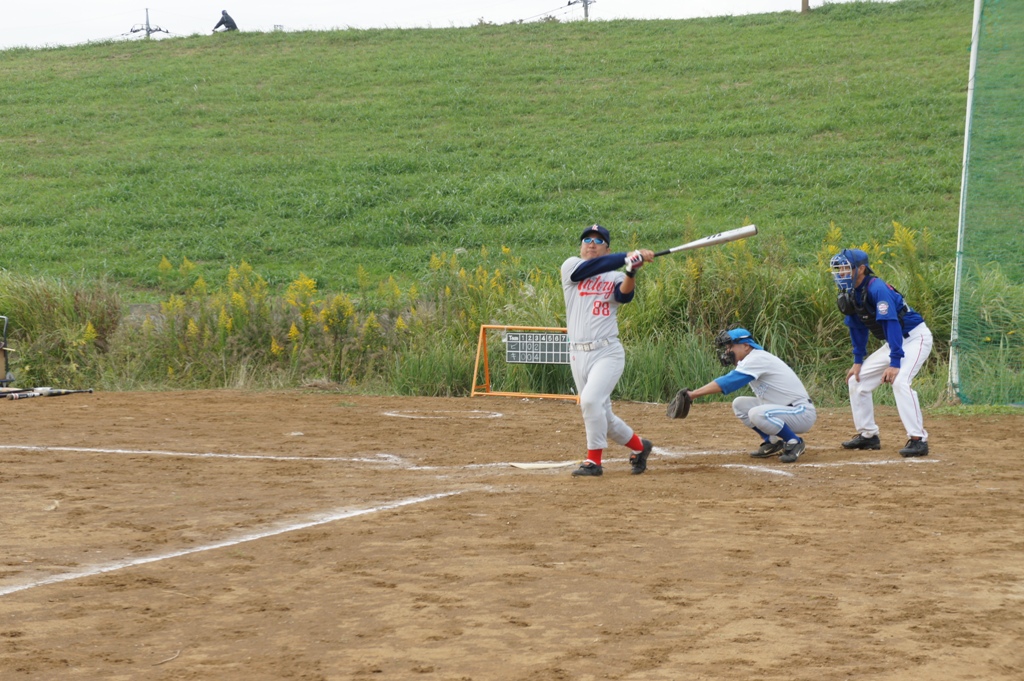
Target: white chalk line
[(317, 519), (677, 454), (383, 458), (418, 414), (884, 462), (394, 460), (682, 454), (759, 469)]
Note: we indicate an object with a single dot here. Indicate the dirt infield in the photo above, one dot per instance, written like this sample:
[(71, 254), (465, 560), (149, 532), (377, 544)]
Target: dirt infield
[(251, 536)]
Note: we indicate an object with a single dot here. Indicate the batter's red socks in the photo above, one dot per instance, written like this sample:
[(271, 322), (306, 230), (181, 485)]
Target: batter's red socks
[(635, 444), (595, 455)]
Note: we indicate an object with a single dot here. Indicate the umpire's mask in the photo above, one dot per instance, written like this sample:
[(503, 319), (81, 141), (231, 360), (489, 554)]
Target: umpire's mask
[(842, 271)]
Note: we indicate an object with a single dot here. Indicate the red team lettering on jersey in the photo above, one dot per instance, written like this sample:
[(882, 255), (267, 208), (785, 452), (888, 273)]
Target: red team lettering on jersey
[(597, 286)]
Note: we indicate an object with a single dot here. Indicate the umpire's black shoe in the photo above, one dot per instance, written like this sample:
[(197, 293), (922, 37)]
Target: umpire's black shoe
[(768, 449), (915, 448), (589, 468), (638, 460), (793, 450), (861, 442)]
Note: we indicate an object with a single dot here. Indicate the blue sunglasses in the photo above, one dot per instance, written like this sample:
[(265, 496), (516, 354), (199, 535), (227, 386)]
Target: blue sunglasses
[(593, 240)]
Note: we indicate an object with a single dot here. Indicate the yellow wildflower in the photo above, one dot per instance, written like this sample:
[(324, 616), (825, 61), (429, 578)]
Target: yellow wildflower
[(175, 305), (224, 320), (199, 288), (371, 324), (90, 335), (362, 277)]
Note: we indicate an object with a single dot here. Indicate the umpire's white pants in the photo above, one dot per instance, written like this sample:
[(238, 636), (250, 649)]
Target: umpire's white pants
[(596, 373), (916, 347), (770, 418)]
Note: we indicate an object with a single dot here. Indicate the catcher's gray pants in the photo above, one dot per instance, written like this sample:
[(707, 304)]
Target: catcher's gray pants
[(596, 373), (770, 418)]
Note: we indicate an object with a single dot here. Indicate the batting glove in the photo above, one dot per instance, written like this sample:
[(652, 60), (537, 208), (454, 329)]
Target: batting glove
[(634, 261)]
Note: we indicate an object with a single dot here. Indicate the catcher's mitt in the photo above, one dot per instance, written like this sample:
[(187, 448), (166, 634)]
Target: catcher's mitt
[(679, 407)]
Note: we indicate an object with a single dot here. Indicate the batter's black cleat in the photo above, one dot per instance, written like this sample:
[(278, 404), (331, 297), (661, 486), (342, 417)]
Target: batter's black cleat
[(638, 460), (792, 451), (915, 448), (589, 468), (861, 442), (768, 449)]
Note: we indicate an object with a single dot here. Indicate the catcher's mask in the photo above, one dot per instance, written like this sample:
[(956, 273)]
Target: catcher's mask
[(733, 337), (844, 267)]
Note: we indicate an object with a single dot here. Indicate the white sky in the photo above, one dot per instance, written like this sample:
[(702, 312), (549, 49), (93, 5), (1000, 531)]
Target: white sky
[(43, 23)]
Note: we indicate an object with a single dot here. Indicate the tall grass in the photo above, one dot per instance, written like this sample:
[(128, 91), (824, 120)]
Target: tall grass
[(59, 332), (236, 333)]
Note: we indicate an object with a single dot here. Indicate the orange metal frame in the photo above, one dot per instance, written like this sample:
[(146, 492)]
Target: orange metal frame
[(481, 351), (3, 352)]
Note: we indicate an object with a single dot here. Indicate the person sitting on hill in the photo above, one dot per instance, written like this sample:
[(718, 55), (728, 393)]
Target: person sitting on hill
[(226, 21)]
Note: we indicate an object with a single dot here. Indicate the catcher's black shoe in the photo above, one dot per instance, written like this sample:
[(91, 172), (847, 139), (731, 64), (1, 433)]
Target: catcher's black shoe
[(768, 449), (861, 442), (915, 448), (589, 468), (638, 460), (792, 452)]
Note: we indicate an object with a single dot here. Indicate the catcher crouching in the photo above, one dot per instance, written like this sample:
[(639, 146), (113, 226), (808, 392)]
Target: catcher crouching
[(780, 409)]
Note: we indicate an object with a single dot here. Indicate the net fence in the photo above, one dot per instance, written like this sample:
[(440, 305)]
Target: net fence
[(987, 361)]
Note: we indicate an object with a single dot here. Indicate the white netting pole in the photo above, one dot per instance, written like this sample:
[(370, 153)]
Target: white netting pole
[(954, 351)]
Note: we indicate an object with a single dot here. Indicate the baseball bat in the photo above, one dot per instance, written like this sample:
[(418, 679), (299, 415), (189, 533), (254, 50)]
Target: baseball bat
[(47, 392), (714, 239)]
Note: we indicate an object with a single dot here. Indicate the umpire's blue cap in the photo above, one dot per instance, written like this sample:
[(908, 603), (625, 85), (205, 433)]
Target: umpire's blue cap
[(856, 258)]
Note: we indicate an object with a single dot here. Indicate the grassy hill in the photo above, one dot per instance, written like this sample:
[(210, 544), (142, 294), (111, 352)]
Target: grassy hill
[(314, 152)]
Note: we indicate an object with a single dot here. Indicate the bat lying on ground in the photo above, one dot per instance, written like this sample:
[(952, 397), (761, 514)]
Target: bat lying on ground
[(714, 239), (44, 392)]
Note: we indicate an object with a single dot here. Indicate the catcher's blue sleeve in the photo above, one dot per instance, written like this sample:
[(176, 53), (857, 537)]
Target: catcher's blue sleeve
[(733, 381)]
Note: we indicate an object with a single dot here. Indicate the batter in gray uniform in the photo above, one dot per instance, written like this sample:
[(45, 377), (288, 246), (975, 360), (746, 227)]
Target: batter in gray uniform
[(593, 291), (780, 408)]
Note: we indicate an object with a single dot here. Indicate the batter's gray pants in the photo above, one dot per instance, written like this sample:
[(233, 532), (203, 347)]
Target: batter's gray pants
[(596, 373)]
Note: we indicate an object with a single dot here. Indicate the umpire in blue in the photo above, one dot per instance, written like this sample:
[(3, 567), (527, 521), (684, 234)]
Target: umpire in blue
[(874, 308)]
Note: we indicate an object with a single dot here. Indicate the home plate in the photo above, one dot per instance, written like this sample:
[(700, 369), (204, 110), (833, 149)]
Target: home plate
[(542, 464)]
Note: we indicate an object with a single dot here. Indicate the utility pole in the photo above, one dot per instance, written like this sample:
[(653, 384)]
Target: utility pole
[(586, 7), (805, 6), (147, 28)]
